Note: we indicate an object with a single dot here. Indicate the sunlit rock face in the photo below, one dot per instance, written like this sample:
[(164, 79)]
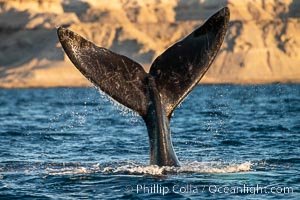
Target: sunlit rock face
[(261, 46)]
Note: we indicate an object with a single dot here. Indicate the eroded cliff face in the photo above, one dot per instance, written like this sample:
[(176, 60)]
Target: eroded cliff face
[(262, 44)]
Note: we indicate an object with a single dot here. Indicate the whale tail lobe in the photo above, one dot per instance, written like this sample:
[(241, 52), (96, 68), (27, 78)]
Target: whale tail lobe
[(171, 78), (121, 78)]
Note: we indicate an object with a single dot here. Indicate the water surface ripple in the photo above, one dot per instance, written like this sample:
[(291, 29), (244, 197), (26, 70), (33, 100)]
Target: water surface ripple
[(234, 142)]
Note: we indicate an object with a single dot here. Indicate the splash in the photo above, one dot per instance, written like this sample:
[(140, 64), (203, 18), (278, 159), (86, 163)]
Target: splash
[(211, 167), (194, 167), (71, 168), (140, 169), (123, 110), (68, 171)]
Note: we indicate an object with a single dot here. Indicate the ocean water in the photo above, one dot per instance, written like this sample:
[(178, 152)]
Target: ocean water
[(233, 142)]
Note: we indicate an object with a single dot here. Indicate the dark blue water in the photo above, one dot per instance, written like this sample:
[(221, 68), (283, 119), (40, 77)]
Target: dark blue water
[(234, 142)]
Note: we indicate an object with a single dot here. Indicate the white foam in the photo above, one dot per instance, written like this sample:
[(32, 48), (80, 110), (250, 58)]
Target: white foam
[(206, 167), (132, 168), (194, 167), (151, 170), (67, 171)]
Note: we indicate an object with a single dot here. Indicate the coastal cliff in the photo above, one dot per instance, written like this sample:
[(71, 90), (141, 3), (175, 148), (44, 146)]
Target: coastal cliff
[(262, 44)]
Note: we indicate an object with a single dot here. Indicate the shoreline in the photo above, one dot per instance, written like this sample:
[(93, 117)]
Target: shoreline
[(261, 45), (200, 84)]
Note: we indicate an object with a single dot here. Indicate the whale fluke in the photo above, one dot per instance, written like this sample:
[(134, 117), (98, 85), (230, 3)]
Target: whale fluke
[(118, 76), (179, 69), (153, 95)]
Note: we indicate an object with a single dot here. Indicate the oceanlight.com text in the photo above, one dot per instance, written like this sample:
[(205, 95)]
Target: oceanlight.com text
[(213, 189)]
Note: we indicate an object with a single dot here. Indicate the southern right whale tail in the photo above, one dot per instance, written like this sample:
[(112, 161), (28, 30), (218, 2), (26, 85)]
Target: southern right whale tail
[(154, 96)]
